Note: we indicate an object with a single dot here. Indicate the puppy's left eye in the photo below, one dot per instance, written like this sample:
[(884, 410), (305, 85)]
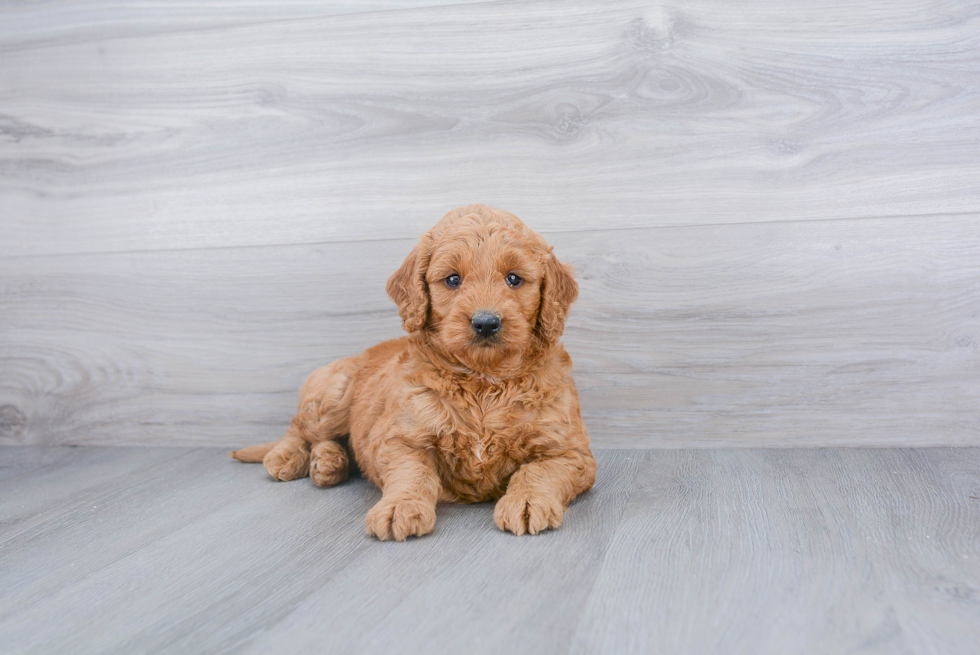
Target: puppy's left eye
[(514, 280)]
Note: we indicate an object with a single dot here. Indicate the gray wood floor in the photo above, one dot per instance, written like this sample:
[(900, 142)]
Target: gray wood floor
[(674, 551), (773, 207)]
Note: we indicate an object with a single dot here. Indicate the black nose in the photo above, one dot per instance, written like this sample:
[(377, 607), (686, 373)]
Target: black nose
[(485, 324)]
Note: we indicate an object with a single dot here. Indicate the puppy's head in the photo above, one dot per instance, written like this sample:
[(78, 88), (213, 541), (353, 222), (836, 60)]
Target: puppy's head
[(484, 288)]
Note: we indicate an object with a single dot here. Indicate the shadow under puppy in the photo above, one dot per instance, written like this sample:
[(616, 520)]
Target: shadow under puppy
[(477, 403)]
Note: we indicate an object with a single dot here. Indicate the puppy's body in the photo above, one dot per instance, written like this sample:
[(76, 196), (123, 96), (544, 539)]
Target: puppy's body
[(451, 412)]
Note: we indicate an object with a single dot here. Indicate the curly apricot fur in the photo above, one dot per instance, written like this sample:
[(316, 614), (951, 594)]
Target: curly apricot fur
[(440, 415)]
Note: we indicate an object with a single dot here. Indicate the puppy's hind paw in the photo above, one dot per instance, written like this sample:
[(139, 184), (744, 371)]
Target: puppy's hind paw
[(401, 519), (527, 513), (329, 464), (288, 461)]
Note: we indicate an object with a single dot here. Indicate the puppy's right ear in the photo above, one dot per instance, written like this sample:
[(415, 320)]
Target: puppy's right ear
[(407, 287)]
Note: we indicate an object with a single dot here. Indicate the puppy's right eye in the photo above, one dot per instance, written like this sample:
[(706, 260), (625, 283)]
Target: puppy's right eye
[(454, 281)]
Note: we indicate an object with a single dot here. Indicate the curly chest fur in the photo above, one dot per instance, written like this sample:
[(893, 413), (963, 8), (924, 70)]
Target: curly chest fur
[(492, 435)]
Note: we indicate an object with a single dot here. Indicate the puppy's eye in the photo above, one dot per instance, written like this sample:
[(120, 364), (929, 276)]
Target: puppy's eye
[(514, 280), (454, 281)]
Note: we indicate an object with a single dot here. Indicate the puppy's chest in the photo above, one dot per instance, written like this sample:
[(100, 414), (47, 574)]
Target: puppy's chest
[(489, 442)]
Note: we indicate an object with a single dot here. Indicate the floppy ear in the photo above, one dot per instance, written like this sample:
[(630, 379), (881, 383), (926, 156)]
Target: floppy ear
[(407, 287), (558, 291)]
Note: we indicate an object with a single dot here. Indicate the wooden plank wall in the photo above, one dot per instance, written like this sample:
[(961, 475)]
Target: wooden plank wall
[(773, 207)]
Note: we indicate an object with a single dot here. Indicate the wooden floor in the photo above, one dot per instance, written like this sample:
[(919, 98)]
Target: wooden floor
[(674, 551)]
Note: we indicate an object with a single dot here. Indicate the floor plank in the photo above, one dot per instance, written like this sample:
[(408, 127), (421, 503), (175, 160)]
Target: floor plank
[(60, 22), (929, 565), (853, 332), (792, 551), (471, 588), (574, 114), (217, 574), (728, 551)]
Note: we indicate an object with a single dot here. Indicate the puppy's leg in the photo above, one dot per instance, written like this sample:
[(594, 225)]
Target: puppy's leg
[(325, 400), (289, 458), (409, 495), (539, 492), (324, 413), (330, 463)]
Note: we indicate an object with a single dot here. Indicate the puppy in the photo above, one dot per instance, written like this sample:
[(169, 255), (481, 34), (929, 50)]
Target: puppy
[(477, 403)]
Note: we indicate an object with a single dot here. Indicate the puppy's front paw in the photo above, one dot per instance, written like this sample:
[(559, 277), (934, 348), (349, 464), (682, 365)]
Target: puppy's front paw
[(524, 513), (401, 519)]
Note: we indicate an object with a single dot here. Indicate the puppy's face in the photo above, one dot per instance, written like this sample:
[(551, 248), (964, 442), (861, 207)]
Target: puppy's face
[(484, 288), (484, 285)]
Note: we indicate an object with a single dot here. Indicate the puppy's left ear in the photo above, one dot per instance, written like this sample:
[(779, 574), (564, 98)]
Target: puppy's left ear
[(407, 287), (558, 291)]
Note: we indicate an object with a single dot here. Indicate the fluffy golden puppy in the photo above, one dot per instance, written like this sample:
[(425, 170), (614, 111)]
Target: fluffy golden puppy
[(477, 403)]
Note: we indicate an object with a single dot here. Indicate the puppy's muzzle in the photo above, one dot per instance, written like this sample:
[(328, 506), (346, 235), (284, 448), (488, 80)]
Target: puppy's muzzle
[(486, 323)]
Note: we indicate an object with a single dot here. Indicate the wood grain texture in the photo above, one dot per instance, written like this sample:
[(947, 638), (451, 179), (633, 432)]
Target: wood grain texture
[(225, 559), (59, 22), (730, 551), (580, 114), (773, 207), (861, 332), (823, 551)]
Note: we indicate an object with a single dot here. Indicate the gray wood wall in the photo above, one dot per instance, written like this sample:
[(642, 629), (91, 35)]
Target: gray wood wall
[(773, 207)]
